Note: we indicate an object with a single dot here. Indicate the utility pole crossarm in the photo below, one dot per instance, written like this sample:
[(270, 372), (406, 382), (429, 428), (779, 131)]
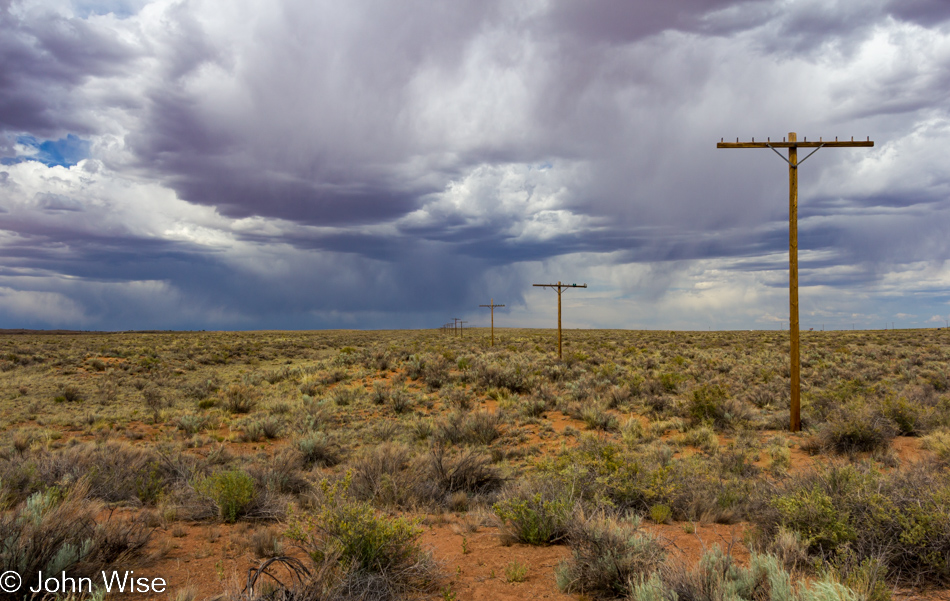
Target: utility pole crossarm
[(820, 144)]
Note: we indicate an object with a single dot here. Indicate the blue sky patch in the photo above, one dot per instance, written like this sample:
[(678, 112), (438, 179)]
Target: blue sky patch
[(64, 152)]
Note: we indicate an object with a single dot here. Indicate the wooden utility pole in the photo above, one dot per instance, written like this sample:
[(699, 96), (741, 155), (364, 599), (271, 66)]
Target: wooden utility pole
[(559, 287), (461, 327), (492, 305), (455, 326), (793, 145)]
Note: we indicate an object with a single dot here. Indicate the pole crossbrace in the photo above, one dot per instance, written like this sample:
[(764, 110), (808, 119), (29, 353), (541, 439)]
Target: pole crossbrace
[(792, 144)]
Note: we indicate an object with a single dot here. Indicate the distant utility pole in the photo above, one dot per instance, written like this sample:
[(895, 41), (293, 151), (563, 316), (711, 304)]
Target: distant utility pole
[(455, 326), (461, 327), (559, 287), (793, 145), (492, 305)]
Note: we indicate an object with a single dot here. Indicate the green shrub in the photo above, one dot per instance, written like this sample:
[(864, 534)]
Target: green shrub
[(387, 475), (811, 512), (906, 416), (939, 443), (516, 572), (513, 375), (661, 514), (897, 518), (344, 397), (378, 557), (232, 492), (535, 519)]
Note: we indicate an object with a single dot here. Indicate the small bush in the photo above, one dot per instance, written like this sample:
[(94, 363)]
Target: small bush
[(718, 577), (661, 514), (474, 428), (57, 530), (232, 492), (598, 419), (939, 443), (377, 557), (898, 518), (318, 449), (241, 398), (344, 397), (436, 372), (607, 556), (267, 428), (856, 427), (387, 475), (71, 394), (535, 519), (192, 424), (401, 401), (380, 394), (469, 472), (516, 572)]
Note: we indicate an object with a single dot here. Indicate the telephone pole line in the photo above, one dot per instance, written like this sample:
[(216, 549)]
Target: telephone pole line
[(455, 326), (461, 328), (792, 144), (559, 287), (492, 305)]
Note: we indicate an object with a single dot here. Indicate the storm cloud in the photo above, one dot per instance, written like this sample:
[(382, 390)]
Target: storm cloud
[(300, 164)]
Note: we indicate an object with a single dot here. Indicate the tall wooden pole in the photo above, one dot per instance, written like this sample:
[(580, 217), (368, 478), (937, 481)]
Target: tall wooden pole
[(559, 319), (796, 364), (559, 287), (492, 306), (795, 422)]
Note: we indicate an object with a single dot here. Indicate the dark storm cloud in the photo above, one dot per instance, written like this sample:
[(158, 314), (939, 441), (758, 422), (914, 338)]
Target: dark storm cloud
[(43, 57), (323, 119), (610, 22), (923, 12)]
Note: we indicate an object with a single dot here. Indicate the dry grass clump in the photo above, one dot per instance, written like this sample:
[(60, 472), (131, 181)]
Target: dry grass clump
[(855, 428), (56, 530), (718, 577), (476, 428), (608, 556), (114, 472)]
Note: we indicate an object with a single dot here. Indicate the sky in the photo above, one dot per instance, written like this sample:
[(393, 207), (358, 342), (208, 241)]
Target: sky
[(311, 164)]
